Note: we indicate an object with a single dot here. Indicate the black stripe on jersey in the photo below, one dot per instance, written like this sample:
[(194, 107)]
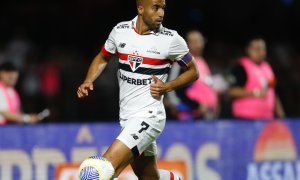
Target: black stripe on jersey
[(146, 71)]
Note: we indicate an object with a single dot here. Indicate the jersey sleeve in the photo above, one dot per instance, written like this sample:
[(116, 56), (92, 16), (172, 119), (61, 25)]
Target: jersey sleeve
[(110, 47), (3, 105), (179, 51)]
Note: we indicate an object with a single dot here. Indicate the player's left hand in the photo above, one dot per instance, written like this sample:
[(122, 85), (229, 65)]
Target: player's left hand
[(159, 88)]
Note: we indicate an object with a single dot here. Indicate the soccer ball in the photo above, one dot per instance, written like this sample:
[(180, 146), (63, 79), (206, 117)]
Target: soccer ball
[(96, 168)]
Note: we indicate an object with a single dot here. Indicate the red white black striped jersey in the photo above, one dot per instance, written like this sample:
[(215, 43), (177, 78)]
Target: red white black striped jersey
[(139, 57)]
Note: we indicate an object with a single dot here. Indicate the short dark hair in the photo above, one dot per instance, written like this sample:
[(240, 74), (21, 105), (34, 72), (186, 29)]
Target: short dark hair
[(8, 66), (256, 37)]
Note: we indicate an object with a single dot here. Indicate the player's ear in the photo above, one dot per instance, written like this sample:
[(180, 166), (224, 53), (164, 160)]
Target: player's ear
[(140, 10)]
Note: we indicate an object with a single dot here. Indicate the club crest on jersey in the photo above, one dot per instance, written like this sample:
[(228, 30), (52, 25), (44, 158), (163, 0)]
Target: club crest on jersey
[(135, 60)]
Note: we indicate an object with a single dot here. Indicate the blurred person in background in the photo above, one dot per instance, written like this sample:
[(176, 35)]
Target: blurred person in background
[(9, 98), (253, 85), (18, 48), (198, 100)]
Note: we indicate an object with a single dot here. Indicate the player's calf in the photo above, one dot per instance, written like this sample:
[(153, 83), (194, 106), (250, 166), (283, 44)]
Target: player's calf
[(146, 175), (119, 155), (167, 175), (163, 175)]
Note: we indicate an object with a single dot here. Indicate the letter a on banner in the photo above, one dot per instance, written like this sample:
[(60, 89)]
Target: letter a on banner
[(84, 135)]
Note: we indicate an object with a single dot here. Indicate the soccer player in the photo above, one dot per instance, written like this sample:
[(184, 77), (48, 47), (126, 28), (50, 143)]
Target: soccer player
[(146, 52)]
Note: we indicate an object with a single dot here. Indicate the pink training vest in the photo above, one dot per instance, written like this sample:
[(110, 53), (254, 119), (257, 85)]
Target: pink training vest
[(201, 91), (258, 77), (12, 100)]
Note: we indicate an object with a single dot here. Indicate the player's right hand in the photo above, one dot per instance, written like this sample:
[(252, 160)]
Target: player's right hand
[(83, 89)]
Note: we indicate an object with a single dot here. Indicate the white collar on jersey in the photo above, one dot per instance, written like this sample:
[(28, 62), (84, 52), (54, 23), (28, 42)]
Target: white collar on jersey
[(152, 32)]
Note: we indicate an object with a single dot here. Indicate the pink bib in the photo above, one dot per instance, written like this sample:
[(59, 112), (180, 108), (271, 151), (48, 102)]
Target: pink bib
[(12, 100), (201, 91), (258, 77)]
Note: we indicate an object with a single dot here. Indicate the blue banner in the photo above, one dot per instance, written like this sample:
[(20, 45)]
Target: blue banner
[(216, 150)]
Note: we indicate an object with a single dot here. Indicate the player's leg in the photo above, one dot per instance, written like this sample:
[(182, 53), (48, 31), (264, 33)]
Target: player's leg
[(132, 141), (119, 155), (139, 135), (167, 175), (145, 167)]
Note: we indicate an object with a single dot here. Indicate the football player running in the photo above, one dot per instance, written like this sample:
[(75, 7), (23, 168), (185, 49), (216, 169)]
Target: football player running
[(146, 52)]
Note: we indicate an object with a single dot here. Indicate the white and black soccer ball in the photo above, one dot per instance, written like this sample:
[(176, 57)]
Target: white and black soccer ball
[(96, 168)]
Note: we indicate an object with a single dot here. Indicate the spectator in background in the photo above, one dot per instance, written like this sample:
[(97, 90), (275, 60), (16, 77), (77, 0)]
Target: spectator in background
[(18, 48), (253, 85), (9, 98), (198, 100)]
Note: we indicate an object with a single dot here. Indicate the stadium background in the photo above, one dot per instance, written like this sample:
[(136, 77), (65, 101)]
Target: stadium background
[(53, 42)]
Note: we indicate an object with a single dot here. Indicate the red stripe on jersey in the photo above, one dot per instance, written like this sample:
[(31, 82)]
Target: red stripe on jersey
[(106, 53), (147, 60), (172, 176)]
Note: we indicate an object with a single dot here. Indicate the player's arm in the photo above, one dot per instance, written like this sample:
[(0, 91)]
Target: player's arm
[(179, 52), (191, 74), (96, 68), (99, 63)]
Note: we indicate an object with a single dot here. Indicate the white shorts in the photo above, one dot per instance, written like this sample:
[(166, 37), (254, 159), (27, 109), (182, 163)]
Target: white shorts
[(140, 133)]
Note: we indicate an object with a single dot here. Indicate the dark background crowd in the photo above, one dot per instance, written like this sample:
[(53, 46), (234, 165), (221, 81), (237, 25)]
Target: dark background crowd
[(52, 43)]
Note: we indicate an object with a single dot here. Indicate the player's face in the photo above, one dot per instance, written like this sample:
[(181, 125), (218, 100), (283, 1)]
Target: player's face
[(9, 78), (154, 13), (195, 42), (257, 50)]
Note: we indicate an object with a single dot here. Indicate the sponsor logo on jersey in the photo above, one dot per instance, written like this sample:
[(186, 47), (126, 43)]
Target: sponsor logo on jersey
[(122, 45), (153, 50), (135, 61), (138, 82), (135, 137)]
